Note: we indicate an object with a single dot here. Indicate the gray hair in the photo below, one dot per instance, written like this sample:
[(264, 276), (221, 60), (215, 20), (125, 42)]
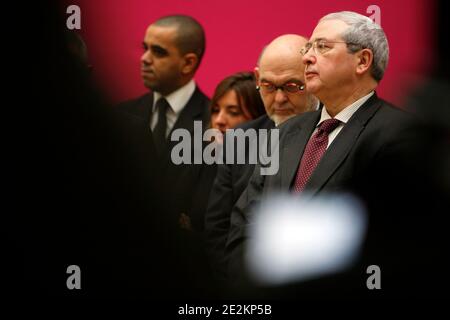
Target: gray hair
[(364, 33)]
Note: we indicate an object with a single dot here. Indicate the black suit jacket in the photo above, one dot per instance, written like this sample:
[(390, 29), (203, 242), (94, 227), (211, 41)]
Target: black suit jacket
[(197, 109), (179, 182), (231, 180), (377, 131)]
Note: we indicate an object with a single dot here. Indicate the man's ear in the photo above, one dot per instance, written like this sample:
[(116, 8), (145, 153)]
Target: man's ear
[(190, 63), (256, 72), (365, 60)]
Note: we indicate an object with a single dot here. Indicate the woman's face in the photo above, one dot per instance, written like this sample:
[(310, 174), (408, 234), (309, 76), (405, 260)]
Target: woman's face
[(227, 114)]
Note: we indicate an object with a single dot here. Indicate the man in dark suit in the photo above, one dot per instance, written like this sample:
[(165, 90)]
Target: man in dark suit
[(279, 67), (173, 49), (342, 146)]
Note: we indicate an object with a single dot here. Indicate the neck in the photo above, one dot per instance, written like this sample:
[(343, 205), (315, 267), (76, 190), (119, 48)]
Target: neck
[(335, 103), (180, 84)]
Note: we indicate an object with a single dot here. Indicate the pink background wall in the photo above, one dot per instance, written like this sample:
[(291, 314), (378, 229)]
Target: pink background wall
[(236, 31)]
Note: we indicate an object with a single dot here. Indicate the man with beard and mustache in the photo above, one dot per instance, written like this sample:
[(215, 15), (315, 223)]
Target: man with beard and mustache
[(280, 80)]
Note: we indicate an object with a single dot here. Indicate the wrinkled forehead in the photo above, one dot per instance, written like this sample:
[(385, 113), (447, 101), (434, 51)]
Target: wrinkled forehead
[(329, 30), (281, 69), (282, 76)]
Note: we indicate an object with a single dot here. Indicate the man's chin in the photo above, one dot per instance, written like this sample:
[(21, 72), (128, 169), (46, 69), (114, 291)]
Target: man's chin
[(150, 85), (312, 86), (279, 118)]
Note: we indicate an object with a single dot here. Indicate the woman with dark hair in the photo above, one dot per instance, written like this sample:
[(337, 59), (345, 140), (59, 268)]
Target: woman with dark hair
[(235, 101)]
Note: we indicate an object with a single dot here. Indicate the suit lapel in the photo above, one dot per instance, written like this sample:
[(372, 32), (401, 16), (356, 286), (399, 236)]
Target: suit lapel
[(293, 148), (268, 124), (148, 105), (342, 145), (143, 107), (195, 109)]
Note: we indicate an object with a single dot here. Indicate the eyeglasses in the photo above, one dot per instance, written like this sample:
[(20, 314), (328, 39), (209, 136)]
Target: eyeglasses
[(321, 46), (290, 87)]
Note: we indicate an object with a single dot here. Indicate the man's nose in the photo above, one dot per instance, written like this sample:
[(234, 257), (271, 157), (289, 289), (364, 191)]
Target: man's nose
[(280, 96), (309, 57), (146, 57)]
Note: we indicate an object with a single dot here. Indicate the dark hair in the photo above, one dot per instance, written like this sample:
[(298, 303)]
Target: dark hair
[(190, 34), (244, 84)]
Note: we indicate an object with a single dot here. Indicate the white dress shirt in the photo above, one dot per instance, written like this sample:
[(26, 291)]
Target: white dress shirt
[(177, 101), (342, 116)]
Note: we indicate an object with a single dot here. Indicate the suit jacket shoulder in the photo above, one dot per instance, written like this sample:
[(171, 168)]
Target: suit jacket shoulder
[(263, 122), (374, 125), (140, 106), (197, 108)]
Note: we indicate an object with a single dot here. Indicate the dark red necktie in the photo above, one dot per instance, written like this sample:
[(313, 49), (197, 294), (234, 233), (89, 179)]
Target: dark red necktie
[(314, 151)]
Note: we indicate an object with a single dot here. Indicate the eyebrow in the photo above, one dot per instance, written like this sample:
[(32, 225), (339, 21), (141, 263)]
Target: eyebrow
[(158, 48), (155, 47)]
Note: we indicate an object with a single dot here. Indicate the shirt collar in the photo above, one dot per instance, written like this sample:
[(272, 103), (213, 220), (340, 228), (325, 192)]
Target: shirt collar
[(177, 99), (346, 113)]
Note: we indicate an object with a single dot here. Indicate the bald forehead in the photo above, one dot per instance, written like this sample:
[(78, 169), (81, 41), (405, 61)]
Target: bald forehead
[(283, 56), (289, 41), (283, 51)]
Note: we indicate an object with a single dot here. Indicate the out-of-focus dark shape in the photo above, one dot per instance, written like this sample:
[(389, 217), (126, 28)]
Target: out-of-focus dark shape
[(88, 191), (77, 47)]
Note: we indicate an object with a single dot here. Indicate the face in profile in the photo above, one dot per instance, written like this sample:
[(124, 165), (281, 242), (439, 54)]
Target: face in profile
[(227, 112), (161, 62), (330, 67)]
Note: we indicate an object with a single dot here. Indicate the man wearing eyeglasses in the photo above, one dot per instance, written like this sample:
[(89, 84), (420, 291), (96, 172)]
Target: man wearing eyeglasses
[(281, 83), (340, 147)]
